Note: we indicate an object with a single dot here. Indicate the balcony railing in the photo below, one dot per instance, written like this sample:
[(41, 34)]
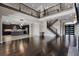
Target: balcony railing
[(21, 8), (57, 8), (30, 11)]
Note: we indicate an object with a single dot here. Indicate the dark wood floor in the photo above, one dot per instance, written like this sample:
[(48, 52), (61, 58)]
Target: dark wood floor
[(33, 46)]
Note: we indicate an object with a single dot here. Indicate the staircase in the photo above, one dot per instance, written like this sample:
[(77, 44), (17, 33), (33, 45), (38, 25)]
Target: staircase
[(52, 28)]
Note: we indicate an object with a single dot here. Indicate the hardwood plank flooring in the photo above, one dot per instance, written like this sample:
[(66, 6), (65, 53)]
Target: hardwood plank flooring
[(32, 46)]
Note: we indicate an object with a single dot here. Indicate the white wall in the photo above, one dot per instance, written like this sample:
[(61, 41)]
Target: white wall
[(77, 34), (43, 26), (0, 29), (57, 26), (47, 32), (36, 30), (31, 30)]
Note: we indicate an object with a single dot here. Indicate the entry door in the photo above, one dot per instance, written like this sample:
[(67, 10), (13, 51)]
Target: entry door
[(69, 35)]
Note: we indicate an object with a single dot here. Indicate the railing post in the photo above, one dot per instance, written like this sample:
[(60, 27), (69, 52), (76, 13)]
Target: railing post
[(19, 6), (31, 13), (60, 6), (38, 14), (56, 36), (44, 12)]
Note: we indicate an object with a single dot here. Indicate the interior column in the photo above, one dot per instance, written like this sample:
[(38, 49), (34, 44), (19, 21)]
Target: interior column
[(0, 29)]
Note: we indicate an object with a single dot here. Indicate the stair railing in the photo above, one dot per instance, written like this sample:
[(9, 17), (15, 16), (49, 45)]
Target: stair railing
[(51, 27)]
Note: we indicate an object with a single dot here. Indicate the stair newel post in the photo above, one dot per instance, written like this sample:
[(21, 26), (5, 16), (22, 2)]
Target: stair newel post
[(19, 6), (56, 36)]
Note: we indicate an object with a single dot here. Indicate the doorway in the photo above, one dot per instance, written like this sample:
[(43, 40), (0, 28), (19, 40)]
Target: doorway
[(70, 35)]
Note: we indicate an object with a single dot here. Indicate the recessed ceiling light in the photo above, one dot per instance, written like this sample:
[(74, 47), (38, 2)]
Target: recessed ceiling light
[(21, 19)]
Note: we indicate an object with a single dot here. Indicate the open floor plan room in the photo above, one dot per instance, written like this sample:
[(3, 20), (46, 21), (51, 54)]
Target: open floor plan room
[(39, 29)]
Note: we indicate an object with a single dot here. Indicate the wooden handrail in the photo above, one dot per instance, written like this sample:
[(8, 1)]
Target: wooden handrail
[(58, 9), (19, 10), (29, 7), (53, 6)]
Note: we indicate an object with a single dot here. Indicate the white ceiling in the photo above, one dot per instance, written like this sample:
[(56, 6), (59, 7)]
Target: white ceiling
[(36, 6)]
